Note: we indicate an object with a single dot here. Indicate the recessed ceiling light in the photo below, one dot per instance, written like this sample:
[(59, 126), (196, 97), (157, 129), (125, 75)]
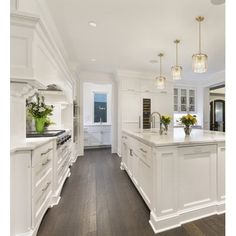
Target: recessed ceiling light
[(93, 60), (92, 24)]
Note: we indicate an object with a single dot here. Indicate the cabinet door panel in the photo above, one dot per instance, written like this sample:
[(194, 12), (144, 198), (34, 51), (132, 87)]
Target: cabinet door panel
[(135, 169), (131, 107), (197, 175), (145, 181), (221, 172)]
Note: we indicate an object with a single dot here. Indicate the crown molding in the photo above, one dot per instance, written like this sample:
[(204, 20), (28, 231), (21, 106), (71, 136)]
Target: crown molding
[(24, 19)]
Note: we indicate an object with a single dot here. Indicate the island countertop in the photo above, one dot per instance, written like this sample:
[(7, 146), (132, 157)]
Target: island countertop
[(176, 136)]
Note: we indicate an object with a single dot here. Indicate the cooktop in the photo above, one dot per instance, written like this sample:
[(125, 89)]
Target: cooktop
[(46, 133)]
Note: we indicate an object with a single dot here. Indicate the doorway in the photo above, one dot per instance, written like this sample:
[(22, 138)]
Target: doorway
[(217, 109), (97, 119)]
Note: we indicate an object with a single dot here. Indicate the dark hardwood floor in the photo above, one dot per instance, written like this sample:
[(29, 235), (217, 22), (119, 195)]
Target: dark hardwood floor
[(100, 199)]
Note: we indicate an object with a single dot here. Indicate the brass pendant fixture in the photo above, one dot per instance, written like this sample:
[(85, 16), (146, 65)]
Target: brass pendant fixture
[(176, 70), (160, 80), (199, 60)]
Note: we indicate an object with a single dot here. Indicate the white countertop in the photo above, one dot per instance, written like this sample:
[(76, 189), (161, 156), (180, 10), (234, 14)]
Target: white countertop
[(30, 144), (176, 136)]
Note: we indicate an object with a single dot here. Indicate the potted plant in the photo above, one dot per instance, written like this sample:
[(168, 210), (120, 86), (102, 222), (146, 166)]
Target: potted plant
[(39, 111), (188, 120), (165, 120)]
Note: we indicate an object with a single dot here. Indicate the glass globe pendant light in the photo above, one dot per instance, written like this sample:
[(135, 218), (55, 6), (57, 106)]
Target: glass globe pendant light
[(160, 80), (176, 70), (199, 59)]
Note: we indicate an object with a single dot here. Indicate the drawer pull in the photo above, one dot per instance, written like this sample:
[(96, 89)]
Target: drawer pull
[(44, 153), (144, 151), (46, 162), (44, 189)]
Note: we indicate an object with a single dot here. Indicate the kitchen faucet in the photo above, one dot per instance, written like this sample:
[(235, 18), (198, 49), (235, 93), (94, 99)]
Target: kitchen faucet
[(150, 120)]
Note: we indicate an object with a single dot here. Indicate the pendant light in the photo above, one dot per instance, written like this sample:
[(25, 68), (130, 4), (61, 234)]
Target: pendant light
[(160, 80), (199, 59), (176, 70)]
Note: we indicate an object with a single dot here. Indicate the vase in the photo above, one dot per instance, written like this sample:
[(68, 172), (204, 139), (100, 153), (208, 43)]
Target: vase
[(165, 129), (40, 125), (187, 130)]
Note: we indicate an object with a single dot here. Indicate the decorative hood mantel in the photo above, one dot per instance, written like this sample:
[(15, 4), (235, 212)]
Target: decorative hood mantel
[(23, 88)]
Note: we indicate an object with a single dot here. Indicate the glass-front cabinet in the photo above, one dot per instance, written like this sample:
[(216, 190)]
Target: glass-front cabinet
[(184, 100)]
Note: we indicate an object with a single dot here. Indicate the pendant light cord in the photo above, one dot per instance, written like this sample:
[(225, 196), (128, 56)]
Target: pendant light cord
[(160, 66), (176, 54), (200, 37)]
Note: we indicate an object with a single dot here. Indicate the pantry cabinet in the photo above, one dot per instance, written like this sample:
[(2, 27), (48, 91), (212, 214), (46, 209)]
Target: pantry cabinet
[(184, 100)]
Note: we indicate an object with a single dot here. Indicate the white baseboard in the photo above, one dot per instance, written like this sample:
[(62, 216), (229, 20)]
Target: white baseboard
[(167, 222)]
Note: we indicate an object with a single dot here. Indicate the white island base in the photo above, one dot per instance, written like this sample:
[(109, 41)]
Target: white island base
[(180, 179)]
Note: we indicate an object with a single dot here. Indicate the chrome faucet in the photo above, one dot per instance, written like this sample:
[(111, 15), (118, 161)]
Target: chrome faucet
[(150, 120)]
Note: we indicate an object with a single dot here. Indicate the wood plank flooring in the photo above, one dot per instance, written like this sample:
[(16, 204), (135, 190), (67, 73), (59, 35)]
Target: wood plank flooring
[(100, 200)]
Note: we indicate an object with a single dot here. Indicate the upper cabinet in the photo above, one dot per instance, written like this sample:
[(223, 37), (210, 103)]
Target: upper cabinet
[(130, 85), (185, 100)]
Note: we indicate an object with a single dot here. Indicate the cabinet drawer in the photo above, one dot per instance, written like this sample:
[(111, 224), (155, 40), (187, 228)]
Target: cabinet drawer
[(62, 170), (194, 150), (41, 199), (144, 152), (40, 171), (41, 152)]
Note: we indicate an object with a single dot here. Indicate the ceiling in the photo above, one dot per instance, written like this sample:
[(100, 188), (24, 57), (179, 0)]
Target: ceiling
[(130, 33)]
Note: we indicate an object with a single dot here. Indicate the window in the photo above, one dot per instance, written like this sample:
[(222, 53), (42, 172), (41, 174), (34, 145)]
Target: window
[(100, 107)]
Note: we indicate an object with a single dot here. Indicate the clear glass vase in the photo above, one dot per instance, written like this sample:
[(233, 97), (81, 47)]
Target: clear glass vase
[(40, 124), (187, 130), (165, 129)]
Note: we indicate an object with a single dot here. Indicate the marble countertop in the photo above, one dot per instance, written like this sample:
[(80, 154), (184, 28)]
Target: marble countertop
[(30, 144), (176, 136)]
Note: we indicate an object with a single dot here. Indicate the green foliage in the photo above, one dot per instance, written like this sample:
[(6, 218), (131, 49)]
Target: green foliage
[(39, 109), (165, 120), (48, 122), (188, 120)]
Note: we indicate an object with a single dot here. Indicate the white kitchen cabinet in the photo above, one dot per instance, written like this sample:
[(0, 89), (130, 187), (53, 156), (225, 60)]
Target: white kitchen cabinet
[(184, 100), (179, 183), (221, 172), (130, 85), (131, 107), (197, 168), (135, 166), (31, 188), (96, 135), (145, 181), (125, 152)]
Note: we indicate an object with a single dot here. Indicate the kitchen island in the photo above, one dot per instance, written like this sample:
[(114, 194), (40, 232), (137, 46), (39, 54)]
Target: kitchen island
[(181, 178)]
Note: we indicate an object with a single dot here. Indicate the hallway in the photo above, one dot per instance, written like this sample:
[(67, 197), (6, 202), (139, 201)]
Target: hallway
[(100, 199)]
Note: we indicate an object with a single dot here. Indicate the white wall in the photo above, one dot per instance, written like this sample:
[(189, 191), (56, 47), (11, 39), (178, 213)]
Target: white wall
[(88, 100)]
